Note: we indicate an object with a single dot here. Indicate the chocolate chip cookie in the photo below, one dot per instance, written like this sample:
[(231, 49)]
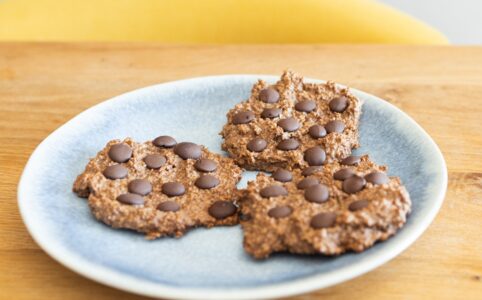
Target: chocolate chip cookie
[(292, 124), (160, 187), (327, 209)]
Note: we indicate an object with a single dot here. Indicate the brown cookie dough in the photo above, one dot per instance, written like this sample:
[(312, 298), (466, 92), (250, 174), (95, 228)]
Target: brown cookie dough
[(160, 187), (292, 124), (326, 210)]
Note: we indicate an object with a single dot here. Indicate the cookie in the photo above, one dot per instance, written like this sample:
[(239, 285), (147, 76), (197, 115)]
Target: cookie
[(160, 187), (292, 124), (328, 210)]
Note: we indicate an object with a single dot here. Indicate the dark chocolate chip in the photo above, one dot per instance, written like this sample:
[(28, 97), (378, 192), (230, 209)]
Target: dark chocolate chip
[(282, 175), (315, 156), (257, 145), (164, 141), (269, 95), (335, 126), (243, 117), (305, 105), (311, 170), (307, 182), (120, 152), (206, 165), (351, 160), (358, 205), (270, 113), (129, 198), (323, 220), (317, 193), (168, 206), (115, 172), (154, 161), (173, 189), (140, 186), (222, 209), (188, 150), (289, 124), (279, 212), (339, 104), (343, 174), (273, 191), (289, 144), (377, 177), (353, 184), (206, 182), (317, 131)]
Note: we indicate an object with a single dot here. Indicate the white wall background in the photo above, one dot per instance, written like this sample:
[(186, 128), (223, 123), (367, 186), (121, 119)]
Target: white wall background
[(459, 20)]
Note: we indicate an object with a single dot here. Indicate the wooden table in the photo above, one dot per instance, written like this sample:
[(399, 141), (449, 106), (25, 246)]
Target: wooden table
[(44, 85)]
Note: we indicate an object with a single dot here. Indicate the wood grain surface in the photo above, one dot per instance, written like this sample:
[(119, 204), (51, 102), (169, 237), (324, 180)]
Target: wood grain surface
[(44, 85)]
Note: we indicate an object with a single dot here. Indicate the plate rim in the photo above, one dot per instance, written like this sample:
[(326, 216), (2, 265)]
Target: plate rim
[(309, 283)]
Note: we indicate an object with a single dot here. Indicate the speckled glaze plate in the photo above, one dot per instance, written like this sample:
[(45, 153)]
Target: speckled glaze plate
[(206, 263)]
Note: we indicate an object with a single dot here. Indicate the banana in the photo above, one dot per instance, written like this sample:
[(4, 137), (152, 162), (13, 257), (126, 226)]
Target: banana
[(212, 21)]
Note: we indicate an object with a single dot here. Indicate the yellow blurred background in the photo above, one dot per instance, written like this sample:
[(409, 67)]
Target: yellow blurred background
[(212, 21)]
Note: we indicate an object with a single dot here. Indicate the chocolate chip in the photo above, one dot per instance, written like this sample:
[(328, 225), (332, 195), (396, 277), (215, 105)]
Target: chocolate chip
[(317, 193), (270, 113), (188, 150), (317, 131), (140, 186), (120, 152), (307, 182), (282, 175), (206, 182), (311, 170), (243, 117), (305, 105), (269, 95), (279, 212), (289, 124), (335, 126), (353, 184), (343, 174), (358, 205), (132, 199), (168, 206), (206, 165), (289, 144), (377, 177), (164, 141), (115, 172), (339, 104), (323, 220), (351, 160), (154, 161), (222, 209), (273, 191), (315, 156), (257, 145), (173, 189)]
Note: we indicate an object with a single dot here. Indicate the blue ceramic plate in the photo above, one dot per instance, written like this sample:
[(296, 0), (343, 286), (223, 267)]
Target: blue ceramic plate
[(206, 263)]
